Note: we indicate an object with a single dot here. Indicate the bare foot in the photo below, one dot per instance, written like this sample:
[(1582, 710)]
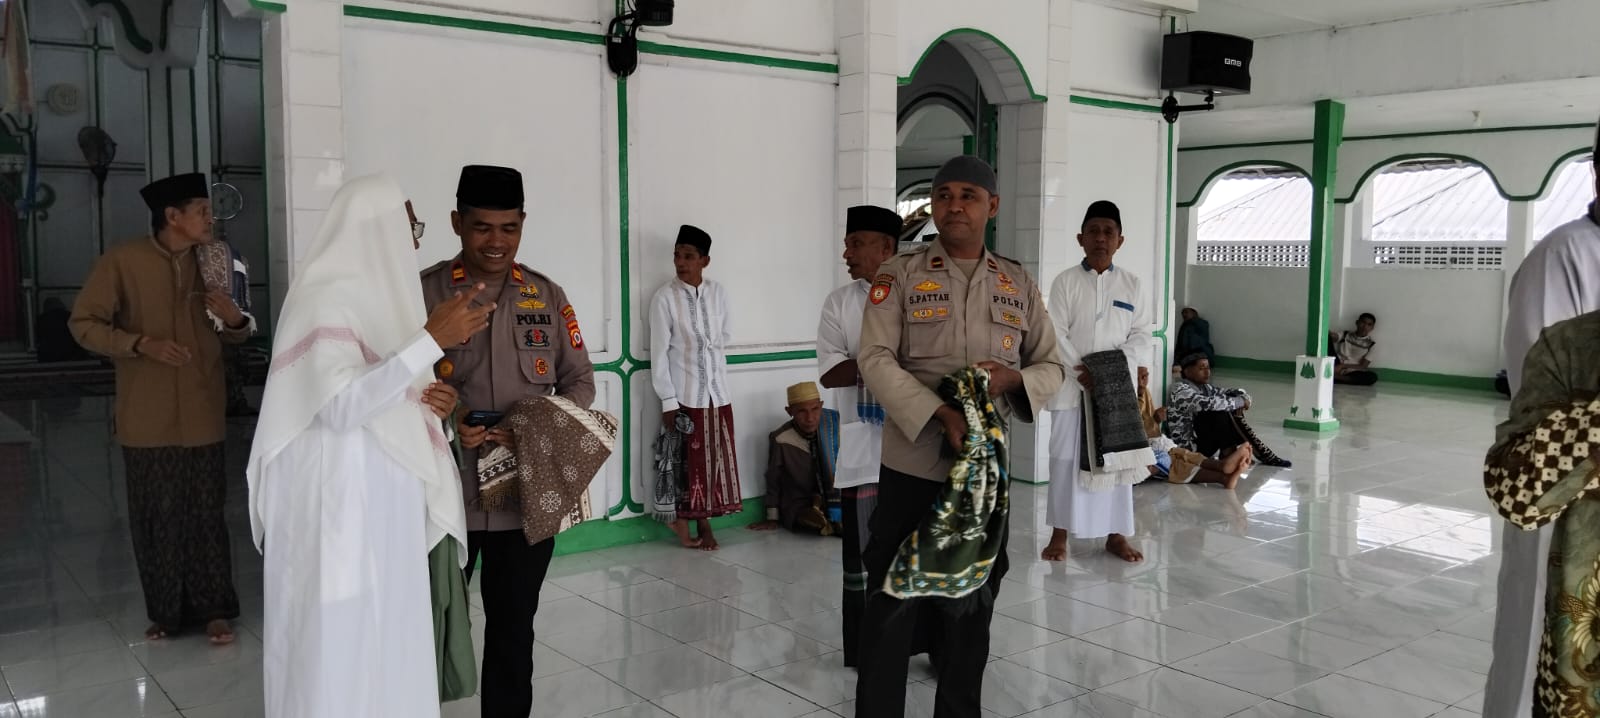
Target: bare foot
[(1235, 465), (681, 528), (220, 633), (155, 633), (1057, 548), (1118, 545), (708, 541)]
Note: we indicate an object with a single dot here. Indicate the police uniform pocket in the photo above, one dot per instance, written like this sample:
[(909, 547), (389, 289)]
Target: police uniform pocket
[(535, 353), (1005, 330), (928, 332)]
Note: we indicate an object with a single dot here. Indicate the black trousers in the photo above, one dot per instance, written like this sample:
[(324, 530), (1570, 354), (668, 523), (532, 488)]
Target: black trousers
[(513, 573), (858, 503), (1357, 378), (1224, 431), (891, 629)]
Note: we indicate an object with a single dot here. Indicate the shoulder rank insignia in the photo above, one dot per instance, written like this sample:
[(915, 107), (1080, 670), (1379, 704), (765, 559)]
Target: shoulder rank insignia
[(993, 265), (574, 335), (880, 288), (928, 285), (516, 275), (531, 304), (936, 263), (458, 273)]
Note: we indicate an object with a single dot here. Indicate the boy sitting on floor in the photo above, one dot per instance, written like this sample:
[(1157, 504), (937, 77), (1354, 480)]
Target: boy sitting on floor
[(1179, 465)]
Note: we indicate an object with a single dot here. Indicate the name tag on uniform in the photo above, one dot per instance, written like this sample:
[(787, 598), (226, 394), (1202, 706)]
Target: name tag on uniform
[(1122, 305)]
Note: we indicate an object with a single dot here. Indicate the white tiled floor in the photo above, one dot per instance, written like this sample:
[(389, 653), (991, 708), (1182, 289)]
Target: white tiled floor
[(1358, 584)]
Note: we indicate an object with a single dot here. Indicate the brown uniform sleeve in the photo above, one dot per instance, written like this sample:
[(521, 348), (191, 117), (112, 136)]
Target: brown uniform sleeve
[(906, 401), (1042, 367), (574, 368), (94, 314), (232, 335)]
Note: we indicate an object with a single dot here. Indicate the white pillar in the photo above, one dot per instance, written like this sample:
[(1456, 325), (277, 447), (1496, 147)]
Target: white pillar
[(868, 100), (1041, 172), (1519, 241), (301, 68)]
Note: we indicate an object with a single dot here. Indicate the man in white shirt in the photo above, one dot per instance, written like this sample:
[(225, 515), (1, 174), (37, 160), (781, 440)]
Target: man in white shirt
[(869, 241), (1095, 306), (690, 329), (1557, 281)]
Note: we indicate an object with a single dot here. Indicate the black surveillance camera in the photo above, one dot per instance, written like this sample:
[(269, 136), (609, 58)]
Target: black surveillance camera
[(622, 37), (654, 13)]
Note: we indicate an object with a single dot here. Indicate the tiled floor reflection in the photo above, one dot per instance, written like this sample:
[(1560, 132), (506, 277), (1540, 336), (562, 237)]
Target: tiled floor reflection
[(1358, 584)]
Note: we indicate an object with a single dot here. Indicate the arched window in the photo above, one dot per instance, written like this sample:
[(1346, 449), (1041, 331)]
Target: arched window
[(1436, 213), (1571, 191), (1256, 217)]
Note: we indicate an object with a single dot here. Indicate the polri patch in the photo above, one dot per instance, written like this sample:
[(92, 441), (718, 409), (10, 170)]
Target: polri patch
[(536, 339)]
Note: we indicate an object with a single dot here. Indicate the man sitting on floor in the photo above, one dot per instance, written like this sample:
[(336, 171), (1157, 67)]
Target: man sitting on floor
[(1210, 419), (1178, 465), (1352, 353), (800, 462)]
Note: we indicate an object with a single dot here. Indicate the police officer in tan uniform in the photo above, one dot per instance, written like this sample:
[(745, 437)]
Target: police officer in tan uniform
[(533, 347), (929, 313)]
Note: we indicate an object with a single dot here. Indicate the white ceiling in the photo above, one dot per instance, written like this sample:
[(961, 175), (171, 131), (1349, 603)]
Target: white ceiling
[(1557, 102), (1265, 18)]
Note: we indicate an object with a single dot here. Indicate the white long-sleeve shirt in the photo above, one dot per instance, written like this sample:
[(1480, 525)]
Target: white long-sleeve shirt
[(1094, 312), (690, 330), (839, 338), (1559, 280)]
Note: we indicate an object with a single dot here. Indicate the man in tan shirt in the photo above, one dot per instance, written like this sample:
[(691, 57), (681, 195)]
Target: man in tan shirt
[(144, 306), (929, 313), (533, 347)]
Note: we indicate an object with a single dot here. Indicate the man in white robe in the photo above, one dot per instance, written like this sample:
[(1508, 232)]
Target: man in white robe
[(870, 239), (351, 478), (1095, 306), (1559, 280)]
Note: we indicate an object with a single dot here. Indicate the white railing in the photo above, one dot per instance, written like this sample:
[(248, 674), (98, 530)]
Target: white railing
[(1253, 254), (1434, 255)]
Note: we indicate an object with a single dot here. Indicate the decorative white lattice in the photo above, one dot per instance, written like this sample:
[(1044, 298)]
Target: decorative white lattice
[(1253, 254), (1459, 255)]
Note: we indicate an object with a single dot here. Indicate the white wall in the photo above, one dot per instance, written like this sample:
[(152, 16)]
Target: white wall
[(1439, 321), (1022, 26), (1121, 156), (1255, 312), (551, 125), (1115, 51)]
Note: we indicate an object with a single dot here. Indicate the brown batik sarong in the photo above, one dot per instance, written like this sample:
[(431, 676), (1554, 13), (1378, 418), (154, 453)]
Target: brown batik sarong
[(180, 537)]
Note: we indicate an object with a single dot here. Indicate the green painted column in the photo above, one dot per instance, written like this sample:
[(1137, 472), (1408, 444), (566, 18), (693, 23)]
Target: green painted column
[(1327, 134), (1312, 409)]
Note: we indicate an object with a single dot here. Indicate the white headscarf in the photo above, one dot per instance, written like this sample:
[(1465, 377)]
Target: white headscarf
[(356, 300)]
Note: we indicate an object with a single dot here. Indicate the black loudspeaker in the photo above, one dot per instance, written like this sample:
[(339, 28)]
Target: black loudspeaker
[(1201, 62)]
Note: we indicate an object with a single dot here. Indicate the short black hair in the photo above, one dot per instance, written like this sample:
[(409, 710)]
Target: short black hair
[(158, 217), (1368, 315)]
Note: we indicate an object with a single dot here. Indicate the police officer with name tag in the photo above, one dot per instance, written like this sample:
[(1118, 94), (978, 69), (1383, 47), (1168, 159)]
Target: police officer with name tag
[(533, 347)]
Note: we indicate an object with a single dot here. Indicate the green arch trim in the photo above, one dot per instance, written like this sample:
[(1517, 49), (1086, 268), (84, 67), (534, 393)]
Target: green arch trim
[(1379, 167), (1026, 80), (1498, 188), (1551, 173), (1225, 169)]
